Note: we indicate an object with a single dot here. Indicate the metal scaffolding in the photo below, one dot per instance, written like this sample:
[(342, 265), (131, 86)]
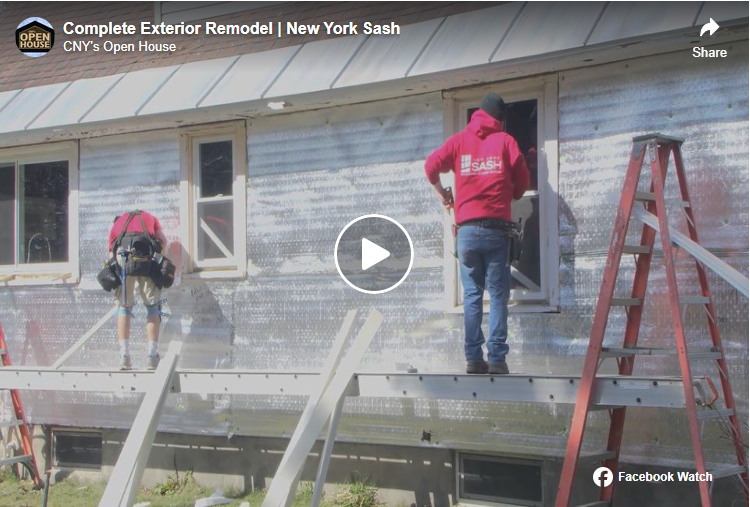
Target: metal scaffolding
[(326, 392)]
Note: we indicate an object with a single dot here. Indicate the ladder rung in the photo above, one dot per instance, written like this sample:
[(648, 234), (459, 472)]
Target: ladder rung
[(707, 354), (727, 471), (649, 196), (627, 301), (636, 351), (8, 424), (636, 249), (705, 415), (15, 459), (599, 503), (712, 353), (694, 300), (596, 457)]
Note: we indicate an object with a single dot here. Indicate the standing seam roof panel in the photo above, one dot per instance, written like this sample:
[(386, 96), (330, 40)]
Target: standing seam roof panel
[(385, 57), (7, 97), (186, 87), (244, 82), (467, 39), (76, 101), (316, 66), (27, 105), (546, 27), (624, 20), (130, 94)]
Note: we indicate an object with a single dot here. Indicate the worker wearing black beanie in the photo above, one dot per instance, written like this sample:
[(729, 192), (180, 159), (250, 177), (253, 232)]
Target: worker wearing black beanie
[(489, 173), (493, 105)]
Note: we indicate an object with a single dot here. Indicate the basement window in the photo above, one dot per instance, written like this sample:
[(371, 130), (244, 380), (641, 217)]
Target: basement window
[(77, 449), (506, 481)]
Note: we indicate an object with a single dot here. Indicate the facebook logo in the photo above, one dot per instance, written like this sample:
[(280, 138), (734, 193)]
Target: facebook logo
[(603, 477)]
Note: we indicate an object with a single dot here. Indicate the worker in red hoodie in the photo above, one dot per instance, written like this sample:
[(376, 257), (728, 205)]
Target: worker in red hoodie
[(490, 172)]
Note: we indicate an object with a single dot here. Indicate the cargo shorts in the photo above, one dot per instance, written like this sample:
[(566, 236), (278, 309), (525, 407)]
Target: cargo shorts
[(148, 291)]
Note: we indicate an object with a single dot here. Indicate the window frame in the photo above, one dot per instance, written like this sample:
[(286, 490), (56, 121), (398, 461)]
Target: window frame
[(455, 106), (67, 432), (498, 501), (49, 272), (190, 140)]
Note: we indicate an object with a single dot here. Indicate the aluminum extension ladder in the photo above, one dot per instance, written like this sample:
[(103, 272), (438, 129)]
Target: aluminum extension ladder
[(27, 457), (655, 148)]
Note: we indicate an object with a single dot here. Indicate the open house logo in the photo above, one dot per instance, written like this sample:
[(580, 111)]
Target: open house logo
[(35, 37)]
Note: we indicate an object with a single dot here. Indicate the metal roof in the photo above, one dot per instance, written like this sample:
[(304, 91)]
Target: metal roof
[(497, 34), (555, 27), (467, 39)]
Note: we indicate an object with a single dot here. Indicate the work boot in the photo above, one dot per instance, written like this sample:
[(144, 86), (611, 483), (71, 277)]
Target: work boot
[(153, 362), (499, 368), (476, 367), (125, 363)]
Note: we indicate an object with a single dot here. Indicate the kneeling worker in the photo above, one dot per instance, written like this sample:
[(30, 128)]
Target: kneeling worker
[(133, 239), (490, 172)]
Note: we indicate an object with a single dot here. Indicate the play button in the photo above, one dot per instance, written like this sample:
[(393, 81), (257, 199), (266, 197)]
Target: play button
[(373, 254)]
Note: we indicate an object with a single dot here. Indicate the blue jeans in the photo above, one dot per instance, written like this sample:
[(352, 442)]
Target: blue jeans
[(482, 254)]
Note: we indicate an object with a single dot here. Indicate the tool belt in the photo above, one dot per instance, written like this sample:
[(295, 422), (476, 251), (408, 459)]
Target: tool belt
[(492, 223), (142, 258), (109, 276), (162, 271)]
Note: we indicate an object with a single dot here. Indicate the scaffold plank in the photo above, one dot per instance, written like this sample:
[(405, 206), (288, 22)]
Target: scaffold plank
[(613, 390)]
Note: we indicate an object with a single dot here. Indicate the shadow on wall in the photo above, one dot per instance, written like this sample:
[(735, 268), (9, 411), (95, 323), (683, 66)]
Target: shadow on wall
[(196, 317)]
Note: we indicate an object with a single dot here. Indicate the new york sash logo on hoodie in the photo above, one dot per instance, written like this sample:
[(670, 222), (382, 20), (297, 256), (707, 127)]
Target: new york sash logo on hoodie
[(485, 165)]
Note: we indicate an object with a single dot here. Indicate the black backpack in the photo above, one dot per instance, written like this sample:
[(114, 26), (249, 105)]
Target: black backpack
[(139, 245)]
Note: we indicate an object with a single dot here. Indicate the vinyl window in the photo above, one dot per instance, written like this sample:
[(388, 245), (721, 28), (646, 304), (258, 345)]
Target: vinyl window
[(38, 220)]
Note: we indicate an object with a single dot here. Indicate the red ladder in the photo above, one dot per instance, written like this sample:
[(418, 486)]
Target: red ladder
[(27, 458), (658, 149)]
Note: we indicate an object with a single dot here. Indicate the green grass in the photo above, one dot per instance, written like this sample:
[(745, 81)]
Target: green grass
[(175, 491)]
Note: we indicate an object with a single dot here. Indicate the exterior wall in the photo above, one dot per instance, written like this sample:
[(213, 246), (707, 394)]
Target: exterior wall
[(311, 173), (20, 71), (601, 109)]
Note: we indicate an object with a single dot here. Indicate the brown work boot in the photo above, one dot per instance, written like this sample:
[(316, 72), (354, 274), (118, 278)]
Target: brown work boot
[(499, 368), (476, 367)]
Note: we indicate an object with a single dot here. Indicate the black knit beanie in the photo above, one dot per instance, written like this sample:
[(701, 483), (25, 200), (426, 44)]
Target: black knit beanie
[(493, 105)]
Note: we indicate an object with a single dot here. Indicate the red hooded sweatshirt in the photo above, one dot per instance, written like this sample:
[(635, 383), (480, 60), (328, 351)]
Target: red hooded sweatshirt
[(490, 169)]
